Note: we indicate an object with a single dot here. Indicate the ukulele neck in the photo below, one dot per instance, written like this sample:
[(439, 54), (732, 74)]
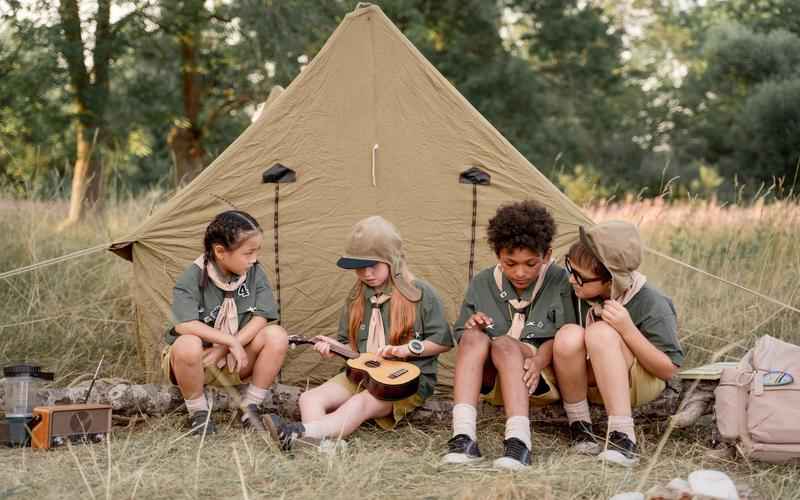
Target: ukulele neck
[(341, 351)]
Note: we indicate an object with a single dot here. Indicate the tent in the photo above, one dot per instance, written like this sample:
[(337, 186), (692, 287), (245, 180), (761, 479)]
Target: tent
[(368, 127)]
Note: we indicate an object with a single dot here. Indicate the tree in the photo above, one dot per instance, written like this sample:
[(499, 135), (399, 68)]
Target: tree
[(229, 56)]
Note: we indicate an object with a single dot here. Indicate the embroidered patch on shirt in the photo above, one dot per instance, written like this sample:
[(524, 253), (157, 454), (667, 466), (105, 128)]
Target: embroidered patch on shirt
[(243, 291)]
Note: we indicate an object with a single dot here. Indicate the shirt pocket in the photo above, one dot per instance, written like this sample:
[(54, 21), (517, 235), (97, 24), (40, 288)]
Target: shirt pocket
[(544, 325)]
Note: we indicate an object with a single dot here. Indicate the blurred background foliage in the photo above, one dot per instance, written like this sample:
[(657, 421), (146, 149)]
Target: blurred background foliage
[(694, 98)]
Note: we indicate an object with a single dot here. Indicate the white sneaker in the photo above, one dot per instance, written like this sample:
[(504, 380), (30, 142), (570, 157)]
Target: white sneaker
[(516, 455), (462, 450)]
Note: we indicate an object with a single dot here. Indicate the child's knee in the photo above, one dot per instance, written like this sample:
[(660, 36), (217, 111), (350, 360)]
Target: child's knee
[(187, 349), (601, 335), (308, 400), (473, 341), (570, 339), (275, 338), (504, 348)]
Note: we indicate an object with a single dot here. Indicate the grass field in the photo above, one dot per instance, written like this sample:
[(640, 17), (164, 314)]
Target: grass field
[(68, 315)]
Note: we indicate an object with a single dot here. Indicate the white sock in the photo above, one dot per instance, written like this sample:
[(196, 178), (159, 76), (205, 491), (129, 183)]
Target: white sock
[(578, 412), (253, 395), (520, 428), (622, 424), (195, 405), (330, 426), (465, 419)]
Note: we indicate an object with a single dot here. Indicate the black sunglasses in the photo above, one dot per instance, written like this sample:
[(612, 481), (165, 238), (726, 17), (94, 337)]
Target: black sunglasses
[(580, 280)]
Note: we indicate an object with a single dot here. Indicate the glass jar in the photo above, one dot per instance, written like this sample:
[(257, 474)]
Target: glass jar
[(21, 389)]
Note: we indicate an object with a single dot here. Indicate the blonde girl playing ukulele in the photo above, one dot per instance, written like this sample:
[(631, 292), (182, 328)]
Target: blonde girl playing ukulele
[(388, 312)]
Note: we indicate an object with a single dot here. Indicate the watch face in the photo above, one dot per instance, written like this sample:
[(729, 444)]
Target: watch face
[(416, 347)]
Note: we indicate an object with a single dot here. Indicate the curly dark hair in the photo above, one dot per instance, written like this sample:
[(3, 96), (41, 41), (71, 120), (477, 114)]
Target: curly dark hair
[(523, 224), (227, 229)]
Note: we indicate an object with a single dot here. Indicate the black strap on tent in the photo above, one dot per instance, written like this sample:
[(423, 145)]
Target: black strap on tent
[(278, 174), (476, 177)]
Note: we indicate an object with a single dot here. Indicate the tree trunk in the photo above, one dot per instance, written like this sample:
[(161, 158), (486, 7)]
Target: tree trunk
[(188, 155), (90, 89), (87, 178), (151, 399), (185, 138)]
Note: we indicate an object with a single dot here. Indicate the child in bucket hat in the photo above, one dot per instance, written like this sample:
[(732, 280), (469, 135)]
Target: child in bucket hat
[(388, 311), (626, 343)]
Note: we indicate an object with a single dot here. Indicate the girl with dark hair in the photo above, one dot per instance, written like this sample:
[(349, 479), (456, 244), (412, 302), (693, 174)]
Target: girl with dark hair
[(221, 306), (388, 312), (508, 319)]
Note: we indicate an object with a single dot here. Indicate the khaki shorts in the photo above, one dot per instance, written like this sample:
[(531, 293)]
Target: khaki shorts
[(644, 388), (213, 375), (399, 408), (495, 396)]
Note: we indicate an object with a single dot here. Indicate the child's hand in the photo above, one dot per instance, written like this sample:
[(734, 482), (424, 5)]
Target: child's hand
[(237, 357), (323, 346), (214, 355), (479, 320), (531, 375), (617, 316), (394, 351)]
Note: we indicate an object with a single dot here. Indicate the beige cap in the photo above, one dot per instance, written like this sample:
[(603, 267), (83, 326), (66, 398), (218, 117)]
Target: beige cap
[(374, 240), (618, 246)]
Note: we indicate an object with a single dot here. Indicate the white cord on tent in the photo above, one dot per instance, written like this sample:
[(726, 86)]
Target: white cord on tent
[(374, 148)]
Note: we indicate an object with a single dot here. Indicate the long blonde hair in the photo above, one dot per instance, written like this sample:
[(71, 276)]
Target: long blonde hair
[(402, 316)]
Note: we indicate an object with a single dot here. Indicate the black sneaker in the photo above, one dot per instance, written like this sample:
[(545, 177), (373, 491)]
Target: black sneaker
[(251, 418), (200, 422), (284, 432), (583, 439), (516, 455), (461, 449), (620, 450)]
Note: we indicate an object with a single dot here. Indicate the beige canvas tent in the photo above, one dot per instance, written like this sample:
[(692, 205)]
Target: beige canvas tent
[(368, 127)]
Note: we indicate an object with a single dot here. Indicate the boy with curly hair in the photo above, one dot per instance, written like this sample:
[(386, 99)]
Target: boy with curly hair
[(508, 319)]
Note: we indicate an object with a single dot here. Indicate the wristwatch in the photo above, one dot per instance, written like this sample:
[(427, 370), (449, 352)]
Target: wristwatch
[(416, 347)]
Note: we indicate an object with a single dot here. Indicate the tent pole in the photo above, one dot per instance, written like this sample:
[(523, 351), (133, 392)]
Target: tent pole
[(277, 255)]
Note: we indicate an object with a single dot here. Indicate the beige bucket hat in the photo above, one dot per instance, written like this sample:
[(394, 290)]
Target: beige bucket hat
[(618, 246), (374, 240)]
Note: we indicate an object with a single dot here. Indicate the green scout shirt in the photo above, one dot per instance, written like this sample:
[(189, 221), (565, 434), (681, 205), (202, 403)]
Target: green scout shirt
[(654, 315), (552, 307), (430, 325), (253, 297)]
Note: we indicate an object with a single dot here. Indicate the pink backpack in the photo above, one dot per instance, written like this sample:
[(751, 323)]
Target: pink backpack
[(757, 403)]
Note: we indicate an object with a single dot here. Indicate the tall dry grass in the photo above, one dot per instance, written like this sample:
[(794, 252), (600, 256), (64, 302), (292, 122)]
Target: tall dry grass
[(67, 316)]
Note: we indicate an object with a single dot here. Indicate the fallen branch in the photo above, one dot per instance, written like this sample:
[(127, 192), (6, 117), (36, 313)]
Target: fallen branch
[(132, 400)]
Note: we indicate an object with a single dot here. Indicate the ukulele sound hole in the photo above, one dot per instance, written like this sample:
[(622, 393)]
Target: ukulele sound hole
[(372, 363), (398, 373)]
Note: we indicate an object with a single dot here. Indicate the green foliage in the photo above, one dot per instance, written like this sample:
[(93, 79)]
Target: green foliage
[(583, 185), (570, 83)]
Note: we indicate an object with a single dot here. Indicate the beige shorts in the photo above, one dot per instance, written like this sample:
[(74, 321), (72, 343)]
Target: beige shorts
[(399, 408), (213, 375), (644, 386), (495, 396)]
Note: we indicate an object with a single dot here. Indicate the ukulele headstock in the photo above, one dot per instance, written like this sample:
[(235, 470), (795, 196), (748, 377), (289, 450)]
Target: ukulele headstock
[(298, 340)]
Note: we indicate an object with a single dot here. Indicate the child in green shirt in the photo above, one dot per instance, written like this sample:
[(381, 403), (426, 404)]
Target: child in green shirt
[(221, 305), (389, 312), (508, 319), (626, 345)]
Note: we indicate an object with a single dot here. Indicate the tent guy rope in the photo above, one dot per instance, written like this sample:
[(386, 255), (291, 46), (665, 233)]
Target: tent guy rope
[(105, 246)]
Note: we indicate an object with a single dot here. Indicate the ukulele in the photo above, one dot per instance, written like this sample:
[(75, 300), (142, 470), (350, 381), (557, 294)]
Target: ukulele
[(386, 379)]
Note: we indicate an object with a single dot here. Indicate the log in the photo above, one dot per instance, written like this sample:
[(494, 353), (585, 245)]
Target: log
[(678, 400)]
